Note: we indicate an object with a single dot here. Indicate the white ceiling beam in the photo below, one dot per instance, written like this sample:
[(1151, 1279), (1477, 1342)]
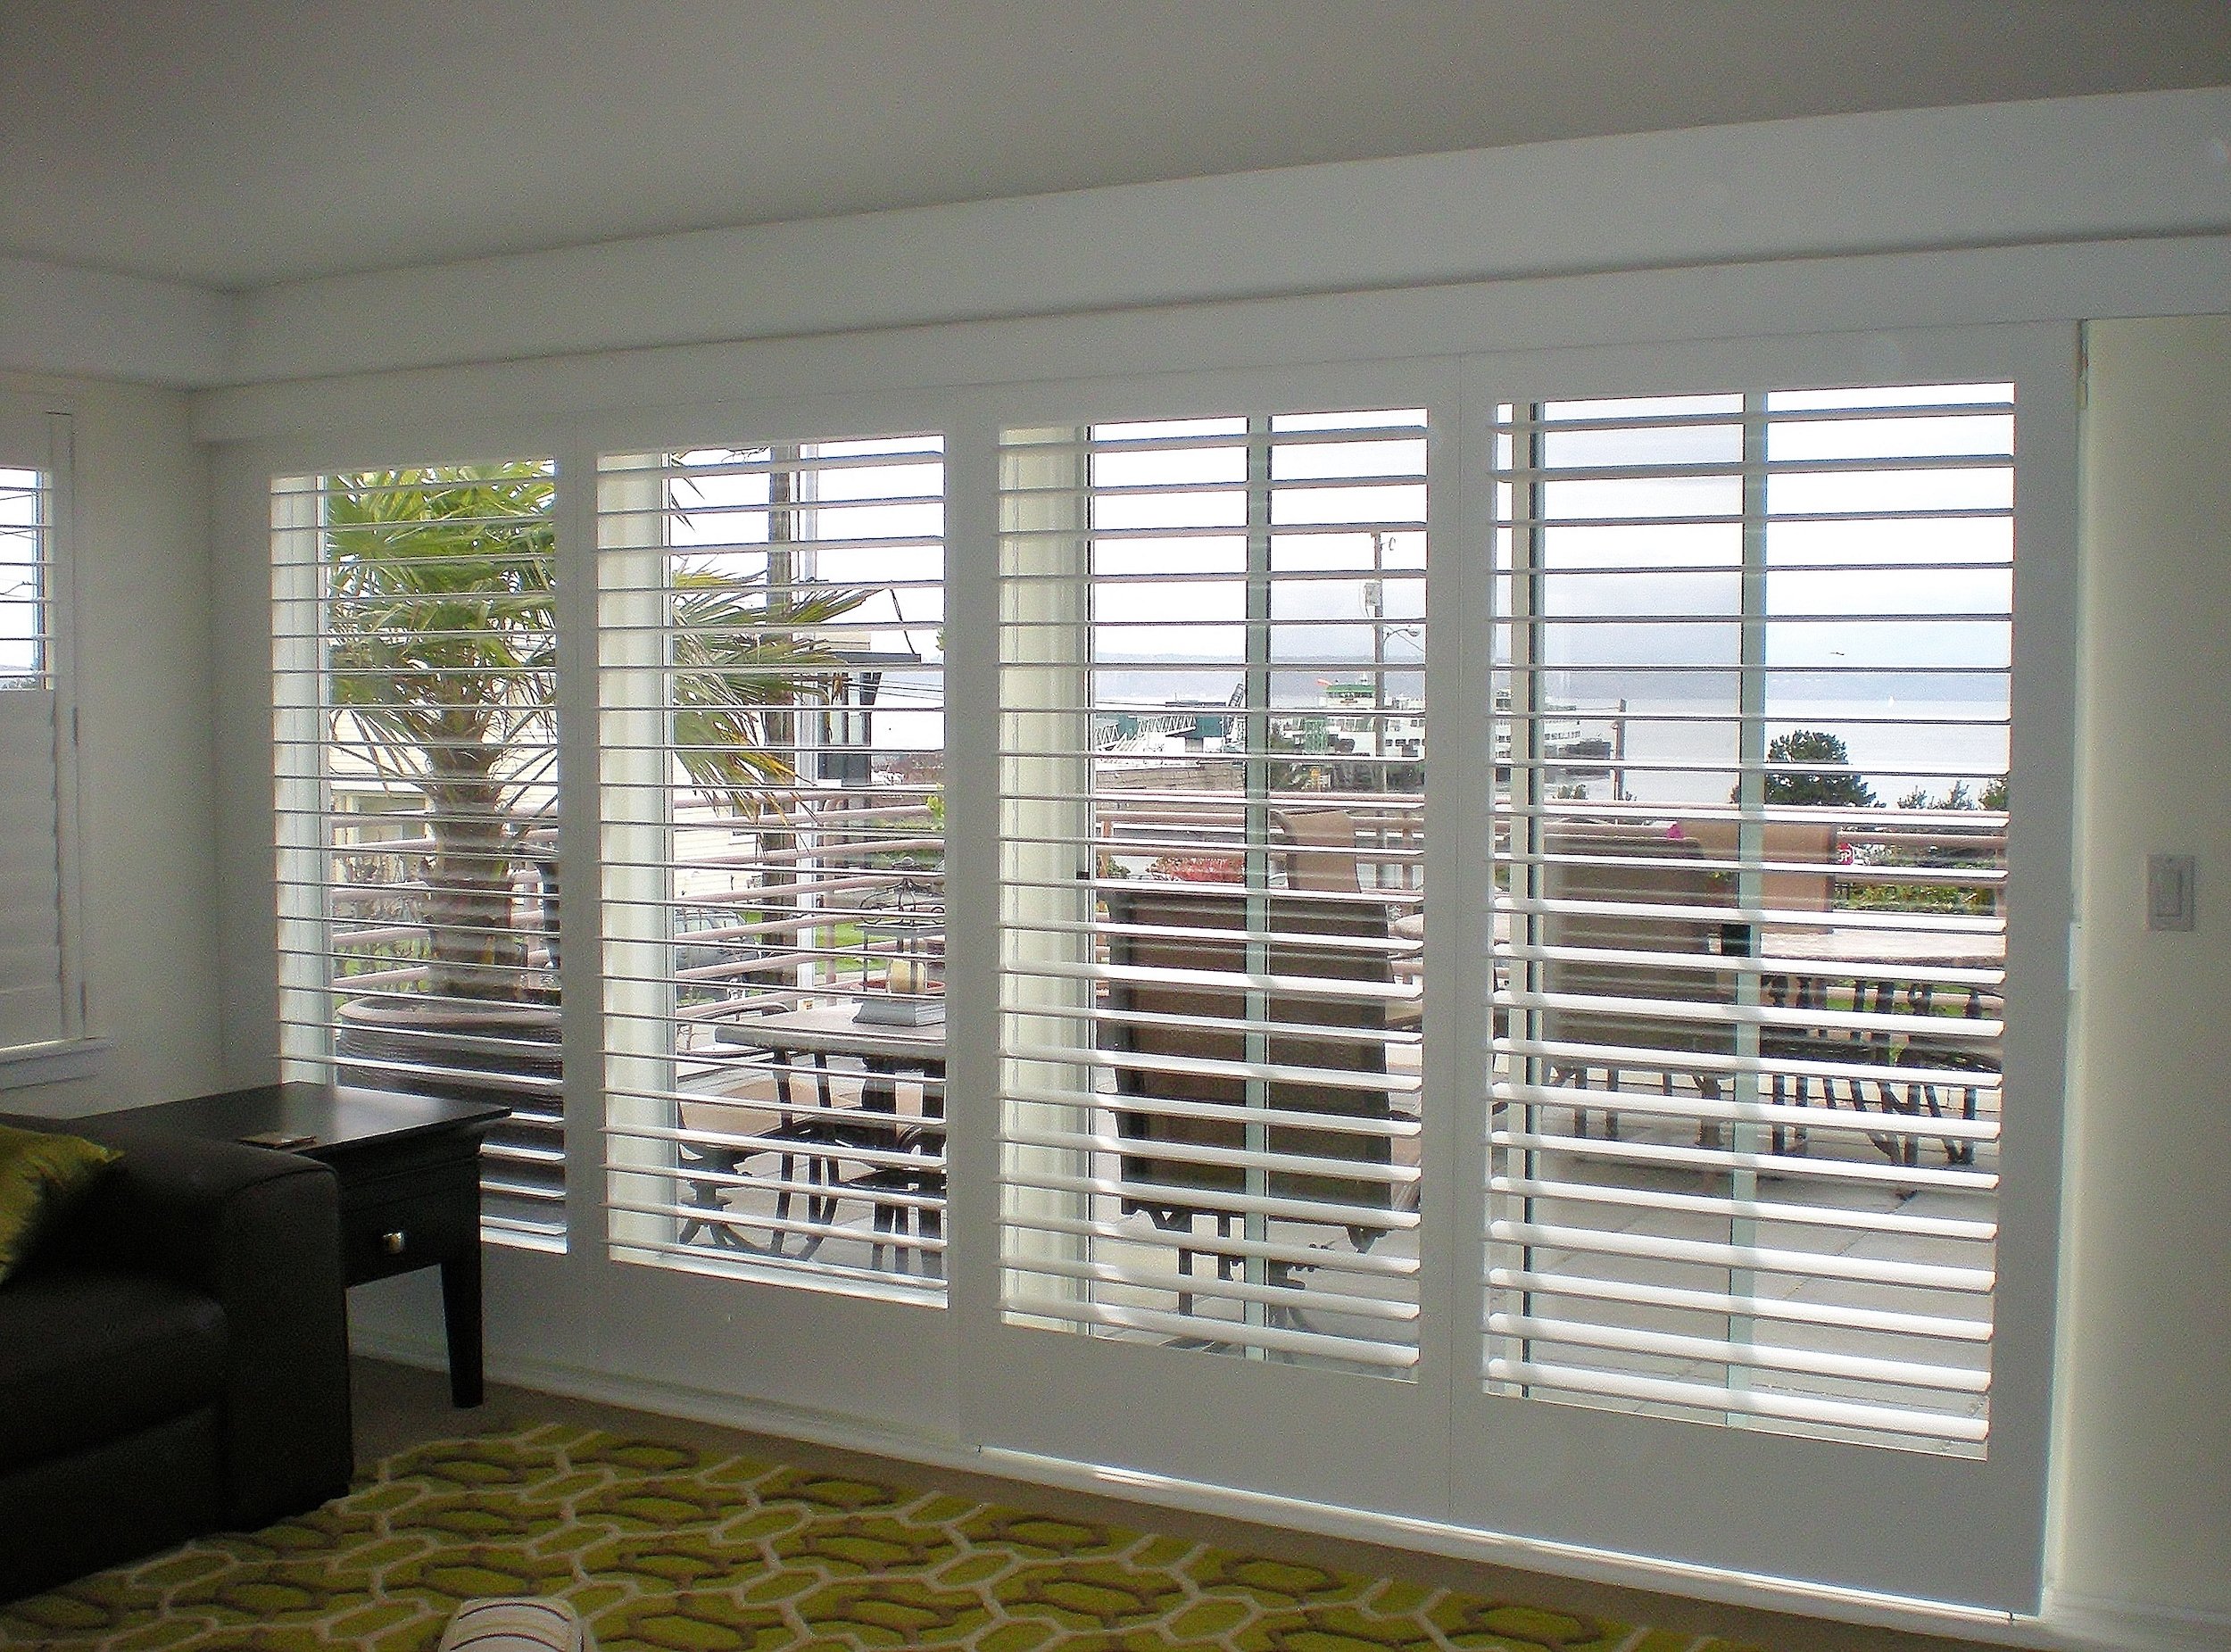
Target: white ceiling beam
[(2059, 170), (2065, 170), (90, 324)]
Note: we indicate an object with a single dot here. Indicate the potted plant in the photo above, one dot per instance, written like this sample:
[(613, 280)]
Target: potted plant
[(442, 618)]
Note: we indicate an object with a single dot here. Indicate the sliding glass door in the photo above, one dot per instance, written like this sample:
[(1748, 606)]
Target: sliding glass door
[(1595, 1077), (1213, 897), (1478, 939), (1777, 858)]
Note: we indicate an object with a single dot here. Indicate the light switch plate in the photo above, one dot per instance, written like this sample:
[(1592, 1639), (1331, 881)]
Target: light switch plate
[(2169, 896)]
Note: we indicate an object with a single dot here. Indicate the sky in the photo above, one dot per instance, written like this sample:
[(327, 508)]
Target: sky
[(1886, 578)]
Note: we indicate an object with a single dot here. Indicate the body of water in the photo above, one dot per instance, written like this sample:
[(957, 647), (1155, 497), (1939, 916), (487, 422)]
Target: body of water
[(1683, 750), (1677, 733)]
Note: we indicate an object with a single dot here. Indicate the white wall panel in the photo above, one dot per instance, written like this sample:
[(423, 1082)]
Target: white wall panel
[(2146, 1442), (147, 807)]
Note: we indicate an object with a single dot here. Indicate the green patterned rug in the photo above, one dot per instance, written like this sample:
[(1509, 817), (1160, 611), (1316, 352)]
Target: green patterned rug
[(663, 1549)]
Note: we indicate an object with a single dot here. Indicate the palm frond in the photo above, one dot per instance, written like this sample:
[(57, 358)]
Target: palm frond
[(442, 619)]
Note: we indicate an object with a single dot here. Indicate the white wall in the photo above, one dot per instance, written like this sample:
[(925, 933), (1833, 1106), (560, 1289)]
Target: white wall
[(2146, 1459), (148, 831)]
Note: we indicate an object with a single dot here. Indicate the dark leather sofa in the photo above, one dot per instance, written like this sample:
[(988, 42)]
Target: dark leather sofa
[(173, 1359)]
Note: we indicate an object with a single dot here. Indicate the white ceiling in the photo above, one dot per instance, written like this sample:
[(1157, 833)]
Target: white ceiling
[(238, 143)]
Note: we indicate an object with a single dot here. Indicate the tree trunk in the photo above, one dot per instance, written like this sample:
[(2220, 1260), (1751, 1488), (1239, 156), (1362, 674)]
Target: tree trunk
[(476, 950)]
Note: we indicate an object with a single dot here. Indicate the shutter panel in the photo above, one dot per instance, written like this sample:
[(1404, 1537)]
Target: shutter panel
[(1213, 722), (415, 657), (772, 737), (37, 997), (1753, 709)]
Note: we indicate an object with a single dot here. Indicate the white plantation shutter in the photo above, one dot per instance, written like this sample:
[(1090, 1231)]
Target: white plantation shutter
[(34, 1000), (415, 663), (771, 633), (1753, 691), (1212, 732), (41, 1002)]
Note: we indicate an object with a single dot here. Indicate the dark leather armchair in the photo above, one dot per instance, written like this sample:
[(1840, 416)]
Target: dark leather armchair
[(173, 1359)]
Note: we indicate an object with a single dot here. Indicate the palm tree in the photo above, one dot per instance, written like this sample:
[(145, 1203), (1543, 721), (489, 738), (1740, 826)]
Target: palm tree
[(443, 625)]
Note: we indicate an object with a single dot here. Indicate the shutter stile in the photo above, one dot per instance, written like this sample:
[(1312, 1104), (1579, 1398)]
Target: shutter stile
[(415, 666), (1212, 762), (773, 738), (1753, 733)]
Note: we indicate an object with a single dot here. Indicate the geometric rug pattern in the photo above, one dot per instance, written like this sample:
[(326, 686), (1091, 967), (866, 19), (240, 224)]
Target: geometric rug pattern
[(664, 1548)]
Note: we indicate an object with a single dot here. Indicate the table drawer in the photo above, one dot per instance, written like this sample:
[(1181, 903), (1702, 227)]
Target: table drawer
[(396, 1235)]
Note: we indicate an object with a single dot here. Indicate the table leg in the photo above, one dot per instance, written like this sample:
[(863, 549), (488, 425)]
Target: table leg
[(460, 1318), (879, 1101), (879, 1087)]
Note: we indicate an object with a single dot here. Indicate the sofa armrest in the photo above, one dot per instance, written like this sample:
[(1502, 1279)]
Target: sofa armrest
[(260, 1231)]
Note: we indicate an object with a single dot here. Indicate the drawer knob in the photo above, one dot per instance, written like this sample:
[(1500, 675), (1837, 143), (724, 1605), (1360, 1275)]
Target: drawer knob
[(392, 1243)]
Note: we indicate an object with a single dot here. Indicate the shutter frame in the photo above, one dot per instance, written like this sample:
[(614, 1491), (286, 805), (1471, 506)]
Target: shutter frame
[(44, 1034), (1759, 499), (736, 924), (1202, 1070), (415, 629)]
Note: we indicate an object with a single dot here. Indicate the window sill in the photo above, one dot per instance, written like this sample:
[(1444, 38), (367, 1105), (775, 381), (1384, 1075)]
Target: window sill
[(53, 1063)]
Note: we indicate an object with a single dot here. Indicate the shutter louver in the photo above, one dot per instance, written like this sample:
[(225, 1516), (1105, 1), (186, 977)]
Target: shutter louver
[(1212, 730), (415, 657), (1754, 720), (772, 736)]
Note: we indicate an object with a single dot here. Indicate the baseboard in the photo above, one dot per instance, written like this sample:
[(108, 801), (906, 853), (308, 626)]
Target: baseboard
[(2095, 1624), (1758, 1593)]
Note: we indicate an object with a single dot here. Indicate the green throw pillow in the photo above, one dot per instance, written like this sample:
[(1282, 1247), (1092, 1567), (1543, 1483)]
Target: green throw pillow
[(41, 1176)]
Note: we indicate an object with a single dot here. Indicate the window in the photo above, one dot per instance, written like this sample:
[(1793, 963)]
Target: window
[(1213, 738), (416, 641), (773, 746), (1751, 827), (1640, 1096), (42, 995)]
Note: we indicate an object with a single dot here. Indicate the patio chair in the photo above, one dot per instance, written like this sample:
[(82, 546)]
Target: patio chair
[(1796, 899), (1600, 870), (1169, 1029), (1794, 895), (1319, 851), (751, 1119)]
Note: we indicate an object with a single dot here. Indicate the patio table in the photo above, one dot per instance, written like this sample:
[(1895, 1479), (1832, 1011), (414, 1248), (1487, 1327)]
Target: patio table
[(1896, 971), (1884, 962), (885, 1052)]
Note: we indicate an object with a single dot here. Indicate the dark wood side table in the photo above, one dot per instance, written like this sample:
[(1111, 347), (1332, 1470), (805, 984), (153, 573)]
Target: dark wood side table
[(410, 1173)]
